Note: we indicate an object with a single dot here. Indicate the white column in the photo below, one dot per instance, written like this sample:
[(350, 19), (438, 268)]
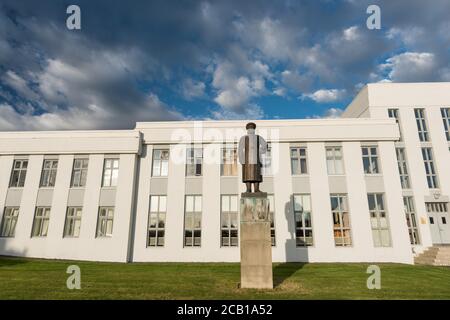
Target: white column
[(30, 246), (440, 148), (124, 205), (401, 247), (175, 210), (90, 207), (212, 210), (142, 208), (357, 201), (320, 201), (416, 173), (6, 163), (284, 215), (59, 206)]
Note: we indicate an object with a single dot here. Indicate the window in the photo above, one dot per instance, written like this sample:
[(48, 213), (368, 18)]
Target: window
[(79, 173), (421, 124), (105, 222), (303, 223), (157, 221), (229, 161), (229, 221), (379, 220), (194, 159), (110, 172), (73, 222), (9, 221), (18, 174), (160, 166), (334, 160), (410, 213), (49, 171), (402, 168), (193, 221), (430, 171), (393, 113), (272, 218), (41, 221), (445, 112), (298, 161), (341, 220), (267, 162), (370, 160)]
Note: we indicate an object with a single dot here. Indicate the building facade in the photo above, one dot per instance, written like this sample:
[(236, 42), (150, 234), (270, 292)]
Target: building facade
[(372, 186)]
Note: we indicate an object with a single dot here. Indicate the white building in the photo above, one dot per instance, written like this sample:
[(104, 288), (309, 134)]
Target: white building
[(356, 189)]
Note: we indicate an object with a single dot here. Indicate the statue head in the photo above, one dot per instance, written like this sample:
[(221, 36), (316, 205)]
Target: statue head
[(250, 127)]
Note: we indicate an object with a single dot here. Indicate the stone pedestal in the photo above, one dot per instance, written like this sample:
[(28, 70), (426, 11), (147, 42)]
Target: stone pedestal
[(255, 244)]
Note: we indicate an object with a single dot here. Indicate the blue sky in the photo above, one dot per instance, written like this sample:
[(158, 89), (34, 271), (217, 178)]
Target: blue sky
[(160, 60)]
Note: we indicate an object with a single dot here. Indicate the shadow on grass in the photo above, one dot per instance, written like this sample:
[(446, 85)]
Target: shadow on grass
[(7, 261), (283, 271)]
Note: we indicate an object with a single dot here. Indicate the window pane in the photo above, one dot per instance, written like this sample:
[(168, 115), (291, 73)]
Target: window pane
[(162, 204), (225, 203), (198, 203)]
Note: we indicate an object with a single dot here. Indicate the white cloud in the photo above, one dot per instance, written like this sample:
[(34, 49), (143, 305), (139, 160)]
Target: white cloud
[(408, 36), (237, 86), (351, 34), (411, 67), (20, 85), (252, 111), (333, 113), (295, 81), (192, 89), (281, 92), (325, 95)]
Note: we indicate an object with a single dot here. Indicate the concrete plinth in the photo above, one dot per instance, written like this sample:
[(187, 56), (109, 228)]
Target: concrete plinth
[(256, 245)]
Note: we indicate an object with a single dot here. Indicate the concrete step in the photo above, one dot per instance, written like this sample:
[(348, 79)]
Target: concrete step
[(436, 256), (442, 263)]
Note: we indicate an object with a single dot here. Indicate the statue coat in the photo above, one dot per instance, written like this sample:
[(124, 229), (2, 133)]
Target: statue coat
[(250, 151)]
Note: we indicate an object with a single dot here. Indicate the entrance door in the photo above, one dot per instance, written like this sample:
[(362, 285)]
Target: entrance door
[(439, 222)]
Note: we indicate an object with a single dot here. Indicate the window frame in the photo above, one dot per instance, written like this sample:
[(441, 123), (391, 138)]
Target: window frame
[(157, 229), (335, 159), (70, 222), (41, 219), (300, 158), (9, 219), (47, 174), (229, 160), (411, 222), (229, 229), (22, 172), (445, 114), (99, 232), (83, 172), (430, 168), (196, 215), (107, 182), (422, 126), (341, 199), (378, 229), (272, 219), (157, 171), (266, 167), (194, 160), (370, 156), (402, 165), (394, 113), (302, 243)]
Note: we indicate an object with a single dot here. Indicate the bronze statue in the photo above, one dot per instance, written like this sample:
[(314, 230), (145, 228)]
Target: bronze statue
[(251, 149)]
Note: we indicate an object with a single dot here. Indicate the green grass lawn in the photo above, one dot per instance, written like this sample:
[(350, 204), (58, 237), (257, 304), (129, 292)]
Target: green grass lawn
[(46, 279)]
